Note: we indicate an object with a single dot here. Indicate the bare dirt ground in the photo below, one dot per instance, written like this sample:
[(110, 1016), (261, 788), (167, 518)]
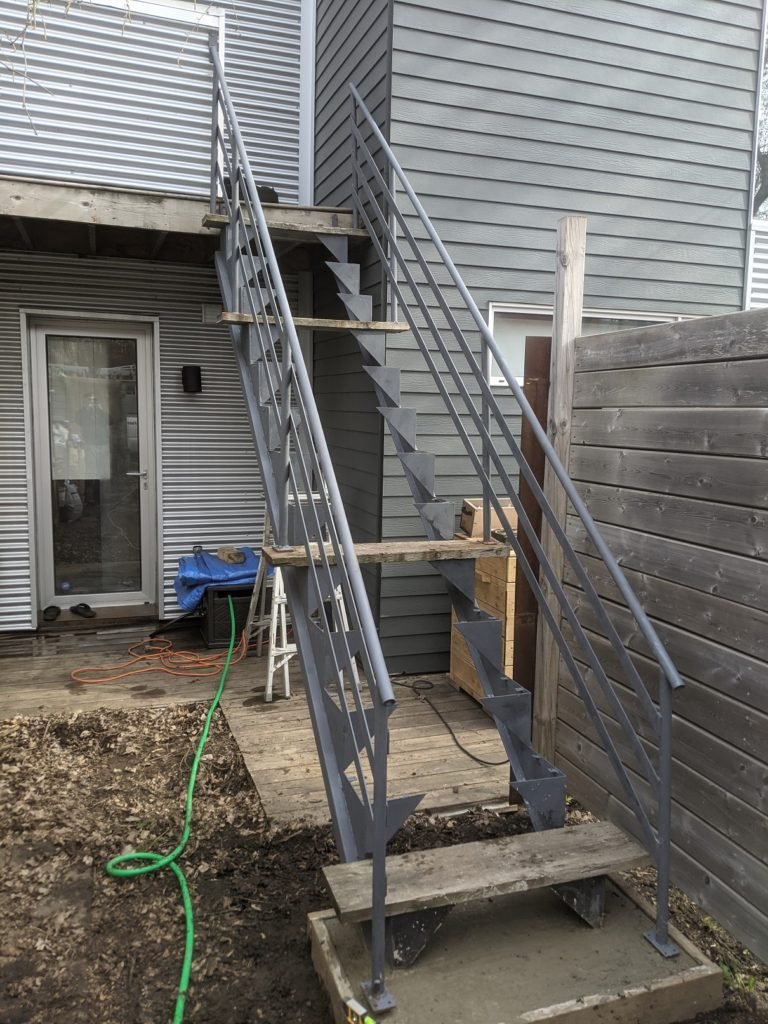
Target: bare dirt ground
[(79, 947)]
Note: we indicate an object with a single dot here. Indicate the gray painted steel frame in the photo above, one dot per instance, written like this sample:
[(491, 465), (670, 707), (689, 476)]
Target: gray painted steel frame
[(432, 311)]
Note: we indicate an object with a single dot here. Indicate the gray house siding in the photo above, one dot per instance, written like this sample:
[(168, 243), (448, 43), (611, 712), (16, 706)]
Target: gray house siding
[(352, 45), (510, 115), (211, 486)]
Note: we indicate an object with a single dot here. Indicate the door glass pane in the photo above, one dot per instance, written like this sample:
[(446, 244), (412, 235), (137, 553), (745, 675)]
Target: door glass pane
[(95, 486)]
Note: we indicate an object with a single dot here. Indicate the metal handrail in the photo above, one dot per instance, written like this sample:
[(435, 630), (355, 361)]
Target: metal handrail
[(383, 206), (295, 466)]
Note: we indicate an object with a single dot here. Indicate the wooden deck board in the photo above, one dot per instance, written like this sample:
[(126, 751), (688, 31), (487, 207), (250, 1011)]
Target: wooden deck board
[(276, 740)]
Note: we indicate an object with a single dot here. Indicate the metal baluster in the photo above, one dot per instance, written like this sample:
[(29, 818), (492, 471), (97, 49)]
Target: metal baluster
[(659, 936)]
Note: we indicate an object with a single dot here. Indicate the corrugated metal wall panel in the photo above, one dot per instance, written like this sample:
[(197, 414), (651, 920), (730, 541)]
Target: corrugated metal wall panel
[(124, 100), (108, 98), (211, 487), (758, 269), (507, 116), (263, 66)]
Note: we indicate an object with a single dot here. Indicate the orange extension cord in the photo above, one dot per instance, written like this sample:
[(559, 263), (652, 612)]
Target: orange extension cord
[(158, 655)]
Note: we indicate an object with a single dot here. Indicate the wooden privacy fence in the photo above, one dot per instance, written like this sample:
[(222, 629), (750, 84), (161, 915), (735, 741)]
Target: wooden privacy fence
[(668, 447)]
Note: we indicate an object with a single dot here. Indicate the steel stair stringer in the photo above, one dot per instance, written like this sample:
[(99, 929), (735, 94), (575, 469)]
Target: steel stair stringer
[(539, 783)]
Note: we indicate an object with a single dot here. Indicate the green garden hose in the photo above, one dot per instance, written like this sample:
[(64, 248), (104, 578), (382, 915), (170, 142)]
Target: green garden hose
[(149, 862)]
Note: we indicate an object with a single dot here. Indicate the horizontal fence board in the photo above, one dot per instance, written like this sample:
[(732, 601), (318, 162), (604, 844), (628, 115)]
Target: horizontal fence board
[(669, 451), (709, 339), (718, 431), (741, 872), (689, 384), (730, 480), (701, 709), (692, 790), (727, 670), (704, 887), (728, 527), (720, 573), (725, 622)]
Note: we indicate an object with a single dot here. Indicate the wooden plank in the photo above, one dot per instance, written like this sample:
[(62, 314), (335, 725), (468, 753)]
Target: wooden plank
[(392, 551), (566, 325), (732, 384), (95, 205), (319, 323), (709, 339), (725, 622), (706, 797), (723, 668), (707, 523), (694, 788), (712, 851), (711, 431), (704, 888), (486, 869), (729, 576), (305, 221), (736, 481)]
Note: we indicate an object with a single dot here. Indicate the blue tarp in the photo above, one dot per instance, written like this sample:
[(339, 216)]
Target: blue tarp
[(197, 572)]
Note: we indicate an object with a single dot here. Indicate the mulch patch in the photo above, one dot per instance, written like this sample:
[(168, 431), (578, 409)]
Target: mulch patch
[(80, 947)]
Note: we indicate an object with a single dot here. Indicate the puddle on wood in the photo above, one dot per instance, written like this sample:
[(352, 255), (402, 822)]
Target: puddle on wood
[(138, 688)]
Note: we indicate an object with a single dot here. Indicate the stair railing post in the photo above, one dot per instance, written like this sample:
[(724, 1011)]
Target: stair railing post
[(215, 118), (376, 990), (566, 327), (354, 157), (485, 412), (659, 936)]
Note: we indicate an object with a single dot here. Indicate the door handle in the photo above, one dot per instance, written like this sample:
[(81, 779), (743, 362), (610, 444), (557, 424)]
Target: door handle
[(138, 472)]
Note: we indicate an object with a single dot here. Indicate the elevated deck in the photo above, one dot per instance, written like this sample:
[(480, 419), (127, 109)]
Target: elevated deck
[(96, 205)]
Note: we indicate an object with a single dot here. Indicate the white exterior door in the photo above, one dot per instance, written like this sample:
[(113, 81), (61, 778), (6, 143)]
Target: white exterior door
[(94, 456)]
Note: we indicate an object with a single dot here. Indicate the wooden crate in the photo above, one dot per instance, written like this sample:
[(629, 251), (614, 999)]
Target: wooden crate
[(494, 593), (473, 515)]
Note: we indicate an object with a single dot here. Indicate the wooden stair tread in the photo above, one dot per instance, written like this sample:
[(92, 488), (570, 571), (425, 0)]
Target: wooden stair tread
[(485, 869), (320, 323), (298, 221), (393, 551)]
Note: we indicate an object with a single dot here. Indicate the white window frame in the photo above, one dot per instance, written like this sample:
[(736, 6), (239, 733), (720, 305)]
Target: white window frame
[(524, 311), (188, 11)]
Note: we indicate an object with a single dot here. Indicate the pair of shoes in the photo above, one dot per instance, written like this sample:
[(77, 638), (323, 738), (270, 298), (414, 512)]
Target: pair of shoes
[(84, 610)]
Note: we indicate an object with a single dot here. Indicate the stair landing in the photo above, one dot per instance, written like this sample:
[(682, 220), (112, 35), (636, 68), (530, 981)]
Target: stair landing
[(483, 870)]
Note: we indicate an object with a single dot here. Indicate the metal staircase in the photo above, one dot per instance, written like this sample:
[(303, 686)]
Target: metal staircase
[(349, 692)]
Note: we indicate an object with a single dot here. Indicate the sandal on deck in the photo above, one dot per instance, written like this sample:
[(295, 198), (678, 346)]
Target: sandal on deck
[(83, 609), (51, 613)]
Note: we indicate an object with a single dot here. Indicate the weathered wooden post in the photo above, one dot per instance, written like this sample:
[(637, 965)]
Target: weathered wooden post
[(566, 327)]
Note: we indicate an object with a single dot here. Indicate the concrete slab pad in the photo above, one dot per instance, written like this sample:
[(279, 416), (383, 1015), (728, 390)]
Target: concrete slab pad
[(527, 959)]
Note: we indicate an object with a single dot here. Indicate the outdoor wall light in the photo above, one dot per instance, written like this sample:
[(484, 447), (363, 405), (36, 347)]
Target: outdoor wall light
[(191, 380)]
